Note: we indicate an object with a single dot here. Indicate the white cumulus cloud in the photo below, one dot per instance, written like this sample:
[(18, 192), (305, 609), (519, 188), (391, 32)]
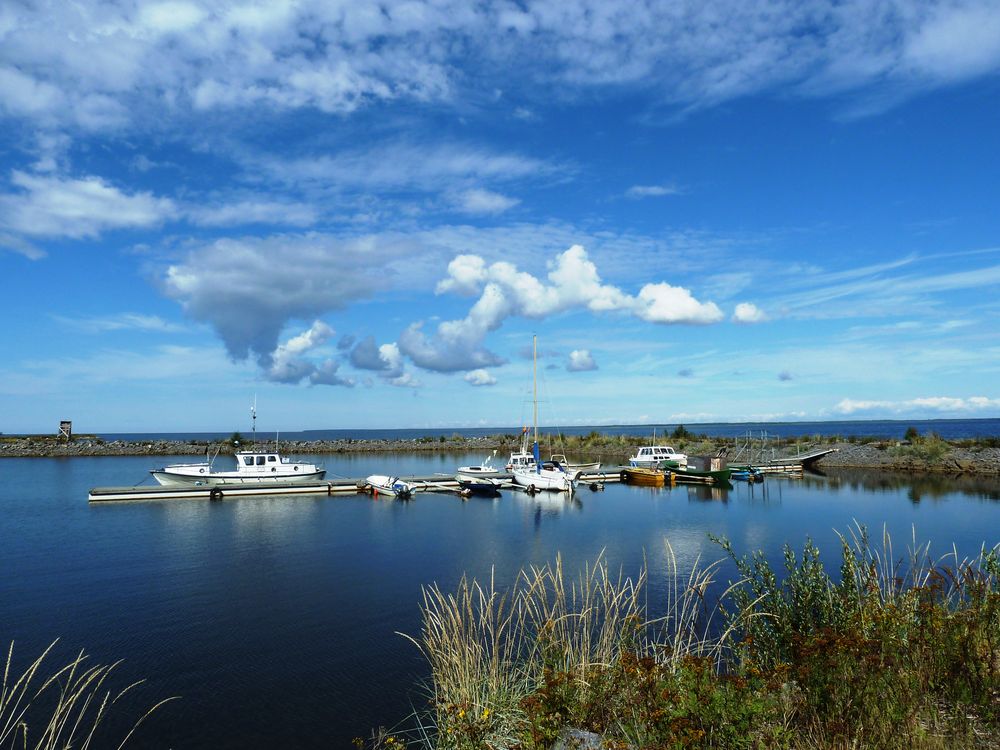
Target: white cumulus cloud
[(479, 378), (747, 312), (581, 360), (505, 291), (289, 362)]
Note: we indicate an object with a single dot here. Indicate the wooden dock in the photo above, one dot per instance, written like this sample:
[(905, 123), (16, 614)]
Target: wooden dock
[(330, 488)]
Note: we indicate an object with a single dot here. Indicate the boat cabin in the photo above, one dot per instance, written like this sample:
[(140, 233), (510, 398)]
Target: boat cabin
[(653, 455), (520, 461), (249, 462)]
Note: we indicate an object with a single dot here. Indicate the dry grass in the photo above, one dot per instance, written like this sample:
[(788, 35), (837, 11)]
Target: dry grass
[(489, 649), (62, 710)]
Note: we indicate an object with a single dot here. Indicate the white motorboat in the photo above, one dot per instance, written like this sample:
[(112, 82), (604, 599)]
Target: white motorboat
[(486, 469), (541, 476), (483, 479), (390, 486), (252, 467), (656, 457)]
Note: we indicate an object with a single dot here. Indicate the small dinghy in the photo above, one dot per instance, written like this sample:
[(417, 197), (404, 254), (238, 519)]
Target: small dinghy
[(390, 485)]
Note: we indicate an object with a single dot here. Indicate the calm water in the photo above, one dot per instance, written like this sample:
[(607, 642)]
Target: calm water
[(275, 619)]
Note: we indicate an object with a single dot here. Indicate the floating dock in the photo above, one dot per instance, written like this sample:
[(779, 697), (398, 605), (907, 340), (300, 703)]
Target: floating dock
[(435, 483)]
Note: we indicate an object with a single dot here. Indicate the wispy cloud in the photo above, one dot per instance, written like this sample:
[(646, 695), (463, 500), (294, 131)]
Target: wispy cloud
[(479, 201), (404, 165), (121, 322), (99, 65), (651, 191)]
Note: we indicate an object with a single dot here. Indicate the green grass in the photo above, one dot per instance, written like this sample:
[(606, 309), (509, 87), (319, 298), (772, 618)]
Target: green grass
[(887, 653)]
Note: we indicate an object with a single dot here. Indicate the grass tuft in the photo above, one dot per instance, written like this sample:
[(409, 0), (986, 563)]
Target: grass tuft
[(62, 710)]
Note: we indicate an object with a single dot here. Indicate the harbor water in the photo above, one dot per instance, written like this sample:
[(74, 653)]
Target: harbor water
[(276, 619)]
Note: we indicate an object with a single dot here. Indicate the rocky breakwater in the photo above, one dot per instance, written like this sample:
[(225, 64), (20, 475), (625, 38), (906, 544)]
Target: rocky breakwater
[(45, 446), (923, 456)]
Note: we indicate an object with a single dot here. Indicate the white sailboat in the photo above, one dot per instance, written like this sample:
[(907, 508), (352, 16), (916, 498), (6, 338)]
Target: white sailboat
[(548, 475)]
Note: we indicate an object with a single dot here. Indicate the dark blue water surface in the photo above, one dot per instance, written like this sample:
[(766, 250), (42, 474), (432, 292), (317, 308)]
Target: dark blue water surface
[(950, 429), (276, 619)]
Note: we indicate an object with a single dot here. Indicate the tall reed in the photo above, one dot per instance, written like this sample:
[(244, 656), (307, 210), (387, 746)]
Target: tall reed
[(62, 710), (489, 649)]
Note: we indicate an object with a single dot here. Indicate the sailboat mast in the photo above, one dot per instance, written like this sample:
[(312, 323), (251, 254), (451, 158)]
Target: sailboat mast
[(534, 380)]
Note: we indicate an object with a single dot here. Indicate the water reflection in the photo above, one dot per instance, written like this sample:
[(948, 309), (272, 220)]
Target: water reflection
[(918, 487)]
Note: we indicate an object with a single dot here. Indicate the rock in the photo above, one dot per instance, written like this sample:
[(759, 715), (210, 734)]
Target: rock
[(577, 739)]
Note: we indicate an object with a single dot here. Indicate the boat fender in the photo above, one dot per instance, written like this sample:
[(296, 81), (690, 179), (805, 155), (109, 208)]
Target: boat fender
[(215, 493)]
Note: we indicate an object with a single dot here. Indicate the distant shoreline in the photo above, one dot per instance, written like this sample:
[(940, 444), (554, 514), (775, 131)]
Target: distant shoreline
[(924, 454)]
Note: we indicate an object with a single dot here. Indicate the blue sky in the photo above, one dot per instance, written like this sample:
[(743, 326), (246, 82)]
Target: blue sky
[(361, 213)]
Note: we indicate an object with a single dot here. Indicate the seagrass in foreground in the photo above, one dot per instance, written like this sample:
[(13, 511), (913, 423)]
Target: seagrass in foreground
[(890, 653)]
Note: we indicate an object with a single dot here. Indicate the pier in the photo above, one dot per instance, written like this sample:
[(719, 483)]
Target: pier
[(335, 487)]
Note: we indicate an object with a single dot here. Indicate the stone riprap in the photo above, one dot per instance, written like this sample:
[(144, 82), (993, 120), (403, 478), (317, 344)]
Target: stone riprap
[(884, 455)]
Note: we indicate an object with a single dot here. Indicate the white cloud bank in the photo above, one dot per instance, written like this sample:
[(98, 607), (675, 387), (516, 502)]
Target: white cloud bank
[(931, 404), (505, 291), (95, 64)]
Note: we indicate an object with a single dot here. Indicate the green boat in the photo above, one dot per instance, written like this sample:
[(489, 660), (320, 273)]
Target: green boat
[(702, 477)]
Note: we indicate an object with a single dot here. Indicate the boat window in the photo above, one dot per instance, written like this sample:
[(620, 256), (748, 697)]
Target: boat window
[(270, 459), (260, 460), (248, 460)]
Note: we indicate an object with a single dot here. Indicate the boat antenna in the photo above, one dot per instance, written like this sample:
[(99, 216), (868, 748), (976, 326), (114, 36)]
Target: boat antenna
[(253, 417)]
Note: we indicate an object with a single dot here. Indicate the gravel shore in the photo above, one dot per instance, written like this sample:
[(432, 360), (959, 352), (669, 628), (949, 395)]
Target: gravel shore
[(923, 457)]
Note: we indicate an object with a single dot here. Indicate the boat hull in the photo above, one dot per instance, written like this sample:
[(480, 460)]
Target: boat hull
[(219, 478), (390, 486), (645, 477), (700, 477), (545, 480)]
